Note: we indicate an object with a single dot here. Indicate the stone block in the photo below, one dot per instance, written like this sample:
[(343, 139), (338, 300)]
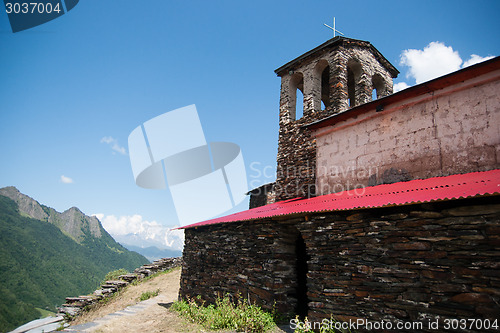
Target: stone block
[(473, 210), (471, 298), (412, 246)]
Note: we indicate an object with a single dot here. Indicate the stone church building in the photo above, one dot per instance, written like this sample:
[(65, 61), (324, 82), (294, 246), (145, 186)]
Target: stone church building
[(385, 206)]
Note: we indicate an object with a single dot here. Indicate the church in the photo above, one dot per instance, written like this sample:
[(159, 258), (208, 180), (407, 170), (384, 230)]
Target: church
[(385, 205)]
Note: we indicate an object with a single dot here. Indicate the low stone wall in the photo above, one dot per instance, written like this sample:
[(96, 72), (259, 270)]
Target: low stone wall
[(401, 264), (75, 305)]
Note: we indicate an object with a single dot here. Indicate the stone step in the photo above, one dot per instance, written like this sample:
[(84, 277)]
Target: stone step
[(74, 305), (128, 277), (117, 283), (73, 299), (88, 297), (109, 286), (69, 310), (107, 290), (80, 301)]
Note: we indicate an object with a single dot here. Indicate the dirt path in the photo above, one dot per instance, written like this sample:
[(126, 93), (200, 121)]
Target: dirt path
[(124, 312)]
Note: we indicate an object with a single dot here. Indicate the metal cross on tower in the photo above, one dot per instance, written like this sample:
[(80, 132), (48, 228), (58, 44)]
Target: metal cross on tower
[(334, 30)]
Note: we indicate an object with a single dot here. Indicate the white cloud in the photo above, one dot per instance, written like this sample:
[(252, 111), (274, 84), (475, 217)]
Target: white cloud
[(436, 59), (400, 86), (152, 232), (475, 59), (66, 180), (107, 139), (113, 143)]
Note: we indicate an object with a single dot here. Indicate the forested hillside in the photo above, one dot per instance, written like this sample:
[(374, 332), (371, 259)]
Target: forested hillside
[(40, 265)]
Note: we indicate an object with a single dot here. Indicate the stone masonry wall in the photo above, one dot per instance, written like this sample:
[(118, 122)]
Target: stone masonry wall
[(254, 260), (261, 196), (411, 263), (401, 264)]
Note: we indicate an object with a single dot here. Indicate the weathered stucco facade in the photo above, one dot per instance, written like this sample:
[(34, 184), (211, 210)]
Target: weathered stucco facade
[(448, 126)]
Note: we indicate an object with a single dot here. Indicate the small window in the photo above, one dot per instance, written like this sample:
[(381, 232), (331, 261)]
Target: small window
[(353, 75), (299, 105), (322, 75), (378, 84), (325, 88), (351, 91), (297, 96)]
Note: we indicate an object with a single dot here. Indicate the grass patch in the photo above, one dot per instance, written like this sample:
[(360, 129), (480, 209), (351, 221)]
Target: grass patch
[(113, 275), (239, 316), (148, 294), (46, 313)]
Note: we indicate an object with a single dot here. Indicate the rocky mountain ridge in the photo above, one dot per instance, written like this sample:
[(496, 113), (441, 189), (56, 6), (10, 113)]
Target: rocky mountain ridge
[(72, 222)]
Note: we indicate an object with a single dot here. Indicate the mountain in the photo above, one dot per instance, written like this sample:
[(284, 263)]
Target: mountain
[(72, 222), (46, 256), (154, 253)]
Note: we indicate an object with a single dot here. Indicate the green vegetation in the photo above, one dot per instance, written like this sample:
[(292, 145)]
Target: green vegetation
[(148, 294), (14, 312), (113, 275), (41, 266), (239, 316), (45, 313)]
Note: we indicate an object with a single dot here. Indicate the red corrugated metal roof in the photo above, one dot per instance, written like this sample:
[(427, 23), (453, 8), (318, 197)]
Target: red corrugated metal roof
[(403, 193)]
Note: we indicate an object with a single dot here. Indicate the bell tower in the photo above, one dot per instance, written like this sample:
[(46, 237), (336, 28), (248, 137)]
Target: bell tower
[(340, 74)]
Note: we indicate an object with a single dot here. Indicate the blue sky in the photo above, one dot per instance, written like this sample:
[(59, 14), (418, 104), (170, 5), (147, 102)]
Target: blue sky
[(74, 88)]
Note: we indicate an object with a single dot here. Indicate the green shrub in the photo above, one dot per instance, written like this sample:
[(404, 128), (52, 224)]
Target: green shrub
[(148, 294), (240, 316), (113, 275)]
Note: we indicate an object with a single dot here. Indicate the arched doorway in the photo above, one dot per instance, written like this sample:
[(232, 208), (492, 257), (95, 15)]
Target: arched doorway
[(301, 275)]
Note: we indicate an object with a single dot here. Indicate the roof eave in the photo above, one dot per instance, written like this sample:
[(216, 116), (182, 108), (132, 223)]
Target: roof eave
[(337, 40)]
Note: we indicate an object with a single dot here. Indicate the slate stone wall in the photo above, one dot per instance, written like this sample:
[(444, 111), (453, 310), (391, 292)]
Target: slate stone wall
[(412, 263), (254, 260), (261, 196), (408, 263)]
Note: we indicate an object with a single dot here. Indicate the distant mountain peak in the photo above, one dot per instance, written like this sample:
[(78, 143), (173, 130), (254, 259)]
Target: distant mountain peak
[(27, 206), (74, 209), (73, 222), (10, 189)]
